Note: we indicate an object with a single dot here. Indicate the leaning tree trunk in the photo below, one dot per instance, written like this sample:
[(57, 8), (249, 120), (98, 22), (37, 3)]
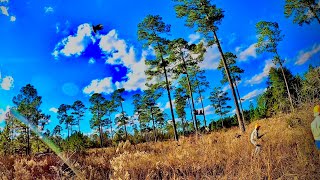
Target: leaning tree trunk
[(285, 81), (191, 95), (241, 123), (169, 95), (236, 86)]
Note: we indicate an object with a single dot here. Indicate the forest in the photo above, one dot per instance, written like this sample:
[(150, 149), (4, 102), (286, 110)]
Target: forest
[(29, 149)]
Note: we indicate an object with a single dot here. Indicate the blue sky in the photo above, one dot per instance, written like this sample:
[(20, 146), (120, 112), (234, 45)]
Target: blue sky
[(50, 44)]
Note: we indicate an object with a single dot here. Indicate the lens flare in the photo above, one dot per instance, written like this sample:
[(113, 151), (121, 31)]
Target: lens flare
[(46, 140)]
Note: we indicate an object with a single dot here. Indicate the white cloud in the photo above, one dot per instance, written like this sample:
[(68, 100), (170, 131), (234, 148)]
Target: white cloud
[(304, 56), (100, 86), (120, 52), (253, 94), (92, 61), (74, 45), (4, 10), (3, 113), (53, 109), (48, 10), (194, 37), (125, 55), (7, 83), (211, 58), (13, 18), (249, 52), (258, 78), (209, 110)]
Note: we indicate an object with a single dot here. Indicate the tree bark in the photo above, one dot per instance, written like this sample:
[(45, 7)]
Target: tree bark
[(153, 126), (204, 116), (125, 124), (241, 108), (285, 80), (169, 95), (241, 123), (191, 95)]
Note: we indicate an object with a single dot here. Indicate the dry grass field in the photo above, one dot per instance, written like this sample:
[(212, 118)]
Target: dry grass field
[(287, 152)]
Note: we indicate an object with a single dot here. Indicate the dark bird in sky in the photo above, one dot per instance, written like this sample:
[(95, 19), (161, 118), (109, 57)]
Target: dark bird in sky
[(97, 28)]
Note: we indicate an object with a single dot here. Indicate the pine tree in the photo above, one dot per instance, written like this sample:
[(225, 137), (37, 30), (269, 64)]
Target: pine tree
[(206, 17), (235, 73), (269, 36), (303, 11), (150, 31), (219, 100)]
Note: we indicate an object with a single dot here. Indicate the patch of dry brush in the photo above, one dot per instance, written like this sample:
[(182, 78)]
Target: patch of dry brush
[(288, 152)]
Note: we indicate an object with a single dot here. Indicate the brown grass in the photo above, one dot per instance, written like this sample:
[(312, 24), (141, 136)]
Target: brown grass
[(288, 152)]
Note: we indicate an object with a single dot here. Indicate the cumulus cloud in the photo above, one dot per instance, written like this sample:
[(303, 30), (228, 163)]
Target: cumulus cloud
[(258, 78), (116, 49), (211, 58), (100, 86), (247, 53), (304, 56), (7, 83), (253, 94), (53, 109), (74, 45), (13, 18), (4, 10)]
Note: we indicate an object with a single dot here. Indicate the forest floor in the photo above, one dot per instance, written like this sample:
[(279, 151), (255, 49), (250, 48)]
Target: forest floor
[(288, 152)]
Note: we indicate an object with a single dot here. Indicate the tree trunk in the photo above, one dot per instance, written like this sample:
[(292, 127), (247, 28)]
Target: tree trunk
[(79, 125), (285, 80), (191, 112), (68, 130), (204, 116), (125, 124), (100, 129), (169, 95), (153, 126), (111, 126), (183, 126), (236, 86), (191, 95), (100, 132), (28, 141), (241, 123)]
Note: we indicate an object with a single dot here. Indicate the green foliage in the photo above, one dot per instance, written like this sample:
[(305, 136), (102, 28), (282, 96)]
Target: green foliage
[(78, 112), (76, 142), (235, 71), (303, 11), (65, 116), (269, 36), (219, 100), (200, 14)]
